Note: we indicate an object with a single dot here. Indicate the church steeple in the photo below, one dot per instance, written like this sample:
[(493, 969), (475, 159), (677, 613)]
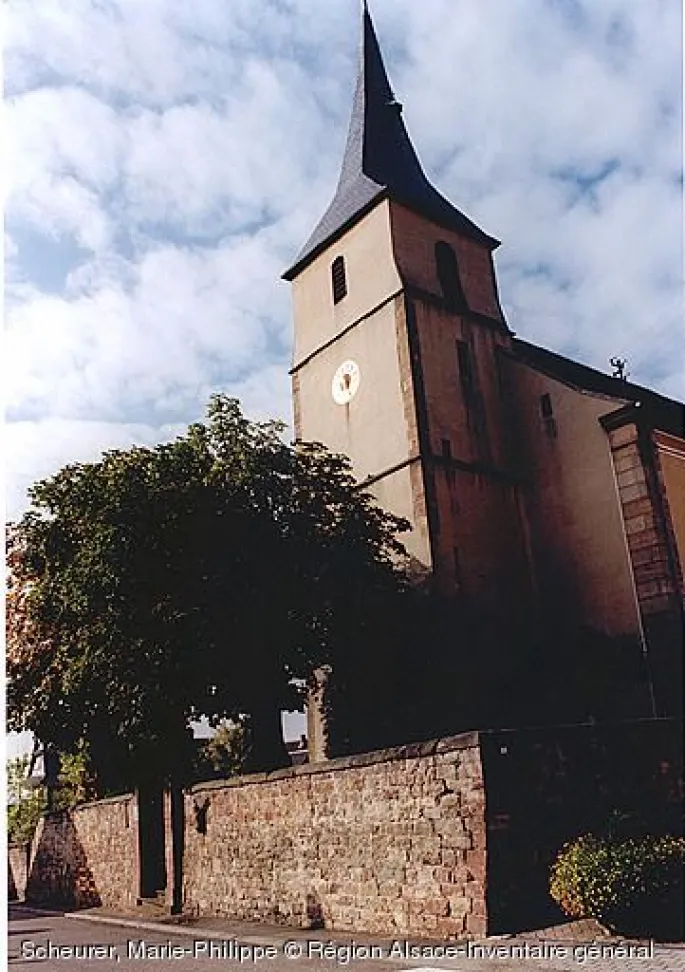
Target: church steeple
[(380, 161)]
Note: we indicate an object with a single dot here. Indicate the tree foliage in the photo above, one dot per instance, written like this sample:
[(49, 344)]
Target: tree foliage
[(26, 803), (199, 577), (225, 753)]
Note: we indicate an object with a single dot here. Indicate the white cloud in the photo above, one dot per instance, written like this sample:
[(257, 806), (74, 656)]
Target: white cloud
[(63, 153), (213, 168), (36, 449), (178, 155), (63, 207), (189, 317), (68, 130), (127, 48)]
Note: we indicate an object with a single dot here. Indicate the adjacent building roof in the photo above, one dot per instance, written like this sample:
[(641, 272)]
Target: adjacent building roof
[(664, 413), (380, 161)]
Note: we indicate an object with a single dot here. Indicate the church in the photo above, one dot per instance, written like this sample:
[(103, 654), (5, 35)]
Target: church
[(539, 490)]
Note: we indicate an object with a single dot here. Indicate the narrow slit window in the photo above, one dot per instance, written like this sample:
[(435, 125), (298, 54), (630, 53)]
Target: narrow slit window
[(547, 415), (338, 279), (465, 364), (448, 275), (546, 409), (446, 449), (457, 568)]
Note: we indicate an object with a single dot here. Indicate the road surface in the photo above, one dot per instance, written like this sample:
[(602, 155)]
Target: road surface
[(51, 942)]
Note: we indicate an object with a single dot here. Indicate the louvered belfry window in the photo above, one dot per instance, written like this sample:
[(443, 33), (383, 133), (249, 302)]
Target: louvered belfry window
[(448, 276), (338, 279)]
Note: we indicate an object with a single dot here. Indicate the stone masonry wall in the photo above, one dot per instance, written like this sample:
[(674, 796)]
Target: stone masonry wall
[(86, 857), (392, 841), (656, 568), (17, 870), (647, 541)]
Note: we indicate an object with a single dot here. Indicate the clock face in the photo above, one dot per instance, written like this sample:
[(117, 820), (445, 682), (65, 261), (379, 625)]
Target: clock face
[(345, 382)]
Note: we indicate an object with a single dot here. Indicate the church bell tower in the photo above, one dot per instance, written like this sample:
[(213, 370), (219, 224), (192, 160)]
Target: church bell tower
[(398, 328)]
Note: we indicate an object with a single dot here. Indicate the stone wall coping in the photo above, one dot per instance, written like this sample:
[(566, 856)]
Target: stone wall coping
[(119, 798), (433, 747)]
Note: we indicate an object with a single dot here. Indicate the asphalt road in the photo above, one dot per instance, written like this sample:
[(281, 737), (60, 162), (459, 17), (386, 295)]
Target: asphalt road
[(54, 943)]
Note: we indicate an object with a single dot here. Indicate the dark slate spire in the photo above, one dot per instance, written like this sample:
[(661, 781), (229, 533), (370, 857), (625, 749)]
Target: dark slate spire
[(380, 161)]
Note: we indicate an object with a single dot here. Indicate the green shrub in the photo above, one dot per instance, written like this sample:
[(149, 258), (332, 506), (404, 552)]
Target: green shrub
[(632, 885)]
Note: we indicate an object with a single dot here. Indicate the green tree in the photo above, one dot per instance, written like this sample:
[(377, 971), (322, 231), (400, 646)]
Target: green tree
[(226, 752), (200, 577), (27, 803)]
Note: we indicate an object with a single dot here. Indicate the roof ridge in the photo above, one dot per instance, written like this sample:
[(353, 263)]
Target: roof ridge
[(617, 388)]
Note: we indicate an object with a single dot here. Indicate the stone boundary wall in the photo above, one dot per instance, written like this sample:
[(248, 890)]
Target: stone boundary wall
[(449, 838), (17, 870), (390, 842), (87, 856)]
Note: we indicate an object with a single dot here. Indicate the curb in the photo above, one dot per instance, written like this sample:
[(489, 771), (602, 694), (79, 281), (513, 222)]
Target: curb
[(22, 906), (155, 926), (196, 931), (199, 931)]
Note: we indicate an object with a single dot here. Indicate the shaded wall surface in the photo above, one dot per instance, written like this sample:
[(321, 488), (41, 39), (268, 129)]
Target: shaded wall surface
[(17, 870), (388, 841), (87, 856), (547, 786), (578, 542)]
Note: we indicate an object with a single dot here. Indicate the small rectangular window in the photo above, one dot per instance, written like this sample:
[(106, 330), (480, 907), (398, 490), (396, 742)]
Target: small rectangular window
[(338, 279), (446, 449)]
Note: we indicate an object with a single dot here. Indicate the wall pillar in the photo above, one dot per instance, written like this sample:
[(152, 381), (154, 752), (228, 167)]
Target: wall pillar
[(134, 822), (318, 743), (656, 572)]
